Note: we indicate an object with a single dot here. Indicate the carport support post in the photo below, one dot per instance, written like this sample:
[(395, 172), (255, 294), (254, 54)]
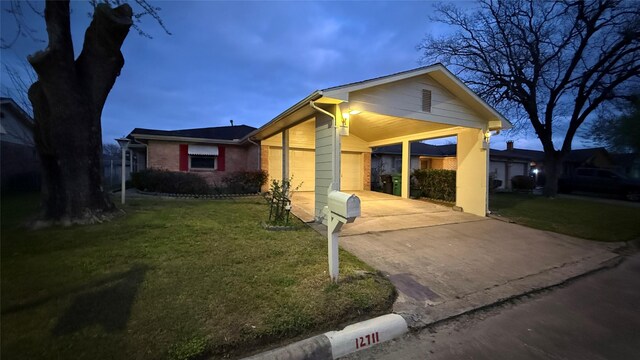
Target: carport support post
[(285, 155), (406, 168)]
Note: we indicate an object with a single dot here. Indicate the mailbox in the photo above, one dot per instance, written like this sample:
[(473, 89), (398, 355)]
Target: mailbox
[(344, 205)]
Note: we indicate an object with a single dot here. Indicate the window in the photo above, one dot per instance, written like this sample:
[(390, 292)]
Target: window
[(205, 162), (203, 157)]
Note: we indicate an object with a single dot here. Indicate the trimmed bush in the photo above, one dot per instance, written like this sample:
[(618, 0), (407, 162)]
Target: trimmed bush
[(521, 182), (164, 181), (436, 184), (245, 182)]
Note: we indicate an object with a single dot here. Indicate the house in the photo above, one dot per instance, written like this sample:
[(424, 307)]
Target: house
[(505, 164), (19, 157), (210, 152), (388, 159), (325, 140)]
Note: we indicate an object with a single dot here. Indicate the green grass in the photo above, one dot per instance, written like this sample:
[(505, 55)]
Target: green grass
[(581, 218), (173, 279)]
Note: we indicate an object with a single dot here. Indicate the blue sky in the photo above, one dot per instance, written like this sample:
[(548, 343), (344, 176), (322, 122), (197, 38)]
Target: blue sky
[(248, 61)]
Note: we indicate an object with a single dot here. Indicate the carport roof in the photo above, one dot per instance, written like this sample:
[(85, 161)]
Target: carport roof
[(301, 111)]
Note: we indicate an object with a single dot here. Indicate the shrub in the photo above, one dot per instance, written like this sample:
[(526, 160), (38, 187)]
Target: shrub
[(164, 181), (521, 182), (245, 182), (436, 184)]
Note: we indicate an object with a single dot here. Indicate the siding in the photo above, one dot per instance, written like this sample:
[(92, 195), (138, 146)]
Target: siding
[(404, 98)]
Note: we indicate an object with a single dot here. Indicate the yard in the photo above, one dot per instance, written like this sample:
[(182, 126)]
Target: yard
[(581, 218), (172, 279)]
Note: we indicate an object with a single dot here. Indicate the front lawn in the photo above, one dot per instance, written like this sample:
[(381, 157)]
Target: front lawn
[(172, 279), (581, 218)]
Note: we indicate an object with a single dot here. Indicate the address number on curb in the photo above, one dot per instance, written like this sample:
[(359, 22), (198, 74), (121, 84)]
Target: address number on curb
[(367, 340)]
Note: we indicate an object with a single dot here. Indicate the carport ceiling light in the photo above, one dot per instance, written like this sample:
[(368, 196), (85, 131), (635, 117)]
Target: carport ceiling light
[(354, 112)]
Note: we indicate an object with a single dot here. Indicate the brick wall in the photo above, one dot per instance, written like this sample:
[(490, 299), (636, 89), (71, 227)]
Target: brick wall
[(450, 163), (166, 155)]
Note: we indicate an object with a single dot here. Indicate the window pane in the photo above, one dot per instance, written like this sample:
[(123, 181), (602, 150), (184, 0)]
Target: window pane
[(203, 162)]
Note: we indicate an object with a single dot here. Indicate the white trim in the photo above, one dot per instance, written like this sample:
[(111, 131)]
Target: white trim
[(207, 150)]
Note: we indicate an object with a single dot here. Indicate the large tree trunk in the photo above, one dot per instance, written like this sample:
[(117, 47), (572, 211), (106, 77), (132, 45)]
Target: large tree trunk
[(552, 170), (67, 100)]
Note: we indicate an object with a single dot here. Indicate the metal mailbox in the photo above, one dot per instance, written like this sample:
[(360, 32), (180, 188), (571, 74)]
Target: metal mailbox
[(344, 205)]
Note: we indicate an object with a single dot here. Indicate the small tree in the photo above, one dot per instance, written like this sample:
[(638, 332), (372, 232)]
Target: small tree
[(552, 62)]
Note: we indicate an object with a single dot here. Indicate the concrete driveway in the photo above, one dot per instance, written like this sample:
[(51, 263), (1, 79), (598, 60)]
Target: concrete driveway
[(445, 262), (384, 212), (447, 269)]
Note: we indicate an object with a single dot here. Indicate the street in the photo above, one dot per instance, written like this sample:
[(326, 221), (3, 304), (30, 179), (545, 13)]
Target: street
[(594, 317)]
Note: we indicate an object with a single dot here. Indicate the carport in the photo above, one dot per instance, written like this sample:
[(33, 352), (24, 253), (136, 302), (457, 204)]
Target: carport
[(420, 104)]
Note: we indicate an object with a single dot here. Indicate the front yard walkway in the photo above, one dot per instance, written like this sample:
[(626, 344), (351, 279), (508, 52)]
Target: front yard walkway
[(172, 279)]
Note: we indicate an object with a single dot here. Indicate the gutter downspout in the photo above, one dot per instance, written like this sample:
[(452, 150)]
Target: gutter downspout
[(334, 171), (335, 163)]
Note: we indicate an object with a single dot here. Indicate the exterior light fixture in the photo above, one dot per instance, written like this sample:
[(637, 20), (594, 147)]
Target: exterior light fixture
[(354, 112), (487, 136), (124, 145)]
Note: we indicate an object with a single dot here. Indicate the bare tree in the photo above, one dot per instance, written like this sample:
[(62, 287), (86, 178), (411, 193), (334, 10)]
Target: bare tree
[(554, 61), (68, 98), (112, 150)]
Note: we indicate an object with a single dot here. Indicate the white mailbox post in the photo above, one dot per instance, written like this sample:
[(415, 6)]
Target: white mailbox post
[(342, 208)]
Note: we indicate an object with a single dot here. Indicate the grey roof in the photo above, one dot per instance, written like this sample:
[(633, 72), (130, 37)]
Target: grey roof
[(381, 77), (211, 133), (419, 149), (521, 154)]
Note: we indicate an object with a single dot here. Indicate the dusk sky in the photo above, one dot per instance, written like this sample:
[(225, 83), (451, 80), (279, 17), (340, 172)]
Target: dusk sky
[(247, 61)]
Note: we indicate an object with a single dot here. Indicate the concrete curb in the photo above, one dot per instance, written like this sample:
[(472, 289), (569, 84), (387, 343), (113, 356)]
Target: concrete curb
[(365, 334), (335, 344)]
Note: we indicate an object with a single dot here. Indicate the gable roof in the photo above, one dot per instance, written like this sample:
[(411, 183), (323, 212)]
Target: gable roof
[(234, 133), (17, 110), (445, 77), (301, 111), (419, 149)]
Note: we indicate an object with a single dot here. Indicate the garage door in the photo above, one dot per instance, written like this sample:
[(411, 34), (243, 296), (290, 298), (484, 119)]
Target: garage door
[(301, 167), (351, 171)]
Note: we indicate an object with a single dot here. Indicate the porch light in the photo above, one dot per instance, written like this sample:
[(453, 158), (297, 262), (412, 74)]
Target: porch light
[(124, 145), (487, 136)]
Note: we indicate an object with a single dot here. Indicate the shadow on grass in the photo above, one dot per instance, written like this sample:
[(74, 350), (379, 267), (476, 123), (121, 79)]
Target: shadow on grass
[(106, 302)]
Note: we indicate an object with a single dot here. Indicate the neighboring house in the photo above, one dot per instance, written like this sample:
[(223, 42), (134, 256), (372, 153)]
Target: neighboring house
[(19, 158), (209, 152), (402, 108), (388, 159), (505, 164)]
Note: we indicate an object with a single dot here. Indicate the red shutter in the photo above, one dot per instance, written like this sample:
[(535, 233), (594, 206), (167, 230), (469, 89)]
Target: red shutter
[(220, 158), (184, 157)]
